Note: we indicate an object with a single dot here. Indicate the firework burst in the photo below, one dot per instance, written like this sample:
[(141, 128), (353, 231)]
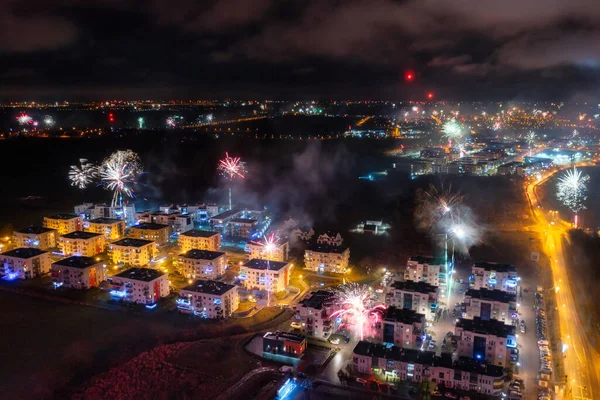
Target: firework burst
[(171, 122), (434, 205), (530, 137), (232, 167), (24, 119), (269, 246), (359, 307), (452, 130), (82, 175), (119, 172), (49, 121), (571, 190), (442, 212)]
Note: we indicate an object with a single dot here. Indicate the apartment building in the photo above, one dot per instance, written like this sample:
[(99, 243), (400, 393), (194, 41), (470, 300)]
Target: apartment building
[(326, 258), (313, 311), (276, 252), (202, 264), (220, 221), (158, 233), (36, 237), (420, 297), (488, 275), (82, 243), (486, 340), (401, 327), (417, 366), (130, 251), (426, 269), (242, 228), (78, 272), (24, 263), (111, 228), (199, 240), (89, 211), (265, 275), (64, 223), (209, 299), (491, 304), (140, 285)]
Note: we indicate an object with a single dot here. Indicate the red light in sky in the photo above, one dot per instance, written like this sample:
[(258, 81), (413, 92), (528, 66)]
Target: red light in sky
[(430, 95), (111, 118), (409, 76)]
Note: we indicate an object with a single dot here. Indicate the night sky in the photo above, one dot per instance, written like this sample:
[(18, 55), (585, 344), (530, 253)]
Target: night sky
[(288, 49)]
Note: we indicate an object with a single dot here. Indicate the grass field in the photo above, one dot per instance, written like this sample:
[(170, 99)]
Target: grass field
[(49, 345)]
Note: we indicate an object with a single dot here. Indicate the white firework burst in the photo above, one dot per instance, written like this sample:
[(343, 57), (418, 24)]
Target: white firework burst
[(452, 130), (82, 175), (571, 189), (49, 121), (530, 137), (119, 172)]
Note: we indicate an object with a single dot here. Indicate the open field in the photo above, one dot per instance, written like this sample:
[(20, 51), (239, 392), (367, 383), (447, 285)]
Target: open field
[(50, 345)]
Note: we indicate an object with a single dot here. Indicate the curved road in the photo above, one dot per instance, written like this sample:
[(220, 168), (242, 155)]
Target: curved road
[(582, 360)]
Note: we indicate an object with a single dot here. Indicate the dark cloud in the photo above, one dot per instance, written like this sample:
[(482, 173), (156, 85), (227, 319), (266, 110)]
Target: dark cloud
[(304, 48), (551, 50), (23, 31), (449, 61)]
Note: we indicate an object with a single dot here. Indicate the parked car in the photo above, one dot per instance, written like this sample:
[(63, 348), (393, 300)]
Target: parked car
[(450, 395), (436, 394), (361, 380)]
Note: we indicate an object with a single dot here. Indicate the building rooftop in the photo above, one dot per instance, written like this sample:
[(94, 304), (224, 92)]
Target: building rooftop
[(131, 242), (491, 266), (279, 335), (493, 295), (141, 274), (325, 248), (415, 356), (412, 286), (227, 214), (202, 254), (330, 234), (105, 221), (395, 353), (468, 364), (244, 220), (63, 216), (24, 252), (77, 262), (427, 260), (81, 235), (36, 230), (403, 315), (257, 263), (486, 327), (209, 287), (149, 226), (317, 299), (199, 233)]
